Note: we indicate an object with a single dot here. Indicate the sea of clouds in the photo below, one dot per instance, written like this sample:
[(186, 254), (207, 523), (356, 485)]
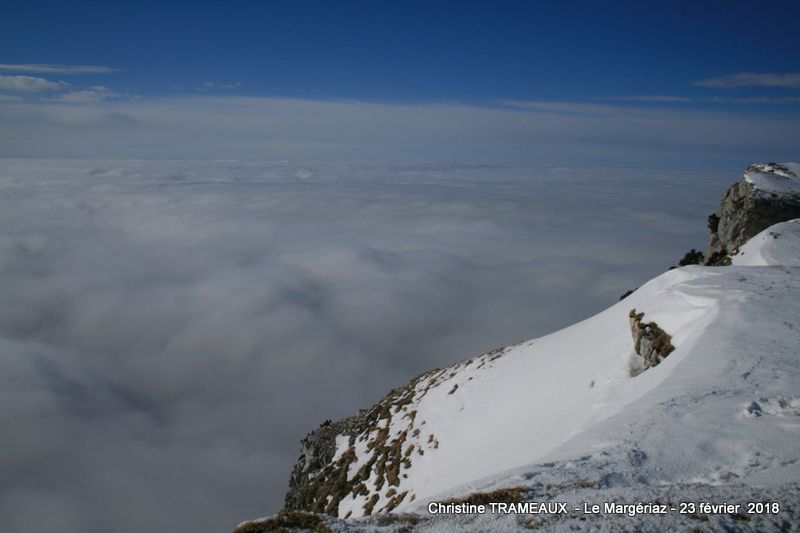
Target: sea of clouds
[(169, 330)]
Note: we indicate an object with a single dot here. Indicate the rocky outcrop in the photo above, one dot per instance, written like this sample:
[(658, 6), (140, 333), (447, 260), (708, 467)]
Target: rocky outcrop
[(752, 204), (320, 478), (650, 342), (365, 457), (317, 450)]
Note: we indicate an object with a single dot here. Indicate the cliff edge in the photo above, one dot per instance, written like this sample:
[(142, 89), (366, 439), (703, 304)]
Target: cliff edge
[(768, 193)]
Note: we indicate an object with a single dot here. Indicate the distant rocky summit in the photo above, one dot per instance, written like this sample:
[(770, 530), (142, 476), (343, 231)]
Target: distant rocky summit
[(768, 193)]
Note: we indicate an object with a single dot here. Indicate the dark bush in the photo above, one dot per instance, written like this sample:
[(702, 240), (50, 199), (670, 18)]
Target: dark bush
[(692, 257), (626, 294)]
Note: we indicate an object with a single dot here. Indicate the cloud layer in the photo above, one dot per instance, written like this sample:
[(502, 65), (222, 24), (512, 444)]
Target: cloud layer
[(556, 133), (645, 98), (38, 68), (171, 329), (753, 79)]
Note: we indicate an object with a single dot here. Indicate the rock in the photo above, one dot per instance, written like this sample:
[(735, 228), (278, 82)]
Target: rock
[(768, 193), (317, 450), (320, 479), (359, 458), (650, 342)]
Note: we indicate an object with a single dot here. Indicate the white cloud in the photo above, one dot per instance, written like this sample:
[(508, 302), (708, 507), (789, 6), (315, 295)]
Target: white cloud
[(753, 79), (29, 84), (9, 98), (98, 93), (55, 69), (170, 329)]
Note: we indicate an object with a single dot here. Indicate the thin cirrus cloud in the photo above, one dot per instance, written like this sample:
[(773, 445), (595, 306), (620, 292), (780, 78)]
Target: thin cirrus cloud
[(29, 84), (41, 68), (97, 93), (645, 98), (753, 79), (211, 85), (769, 100)]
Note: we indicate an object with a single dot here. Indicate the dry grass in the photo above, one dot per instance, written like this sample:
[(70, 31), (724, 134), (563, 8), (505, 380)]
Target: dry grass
[(285, 522), (400, 518), (506, 495)]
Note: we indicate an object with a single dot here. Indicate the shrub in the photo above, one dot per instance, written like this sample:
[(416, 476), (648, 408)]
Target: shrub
[(626, 294), (692, 257)]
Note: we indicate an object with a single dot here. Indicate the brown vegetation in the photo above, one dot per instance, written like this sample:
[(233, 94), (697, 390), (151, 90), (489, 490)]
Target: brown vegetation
[(285, 522)]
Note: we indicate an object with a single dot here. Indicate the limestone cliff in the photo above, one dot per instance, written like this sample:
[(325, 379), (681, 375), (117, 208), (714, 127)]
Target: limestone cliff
[(768, 193)]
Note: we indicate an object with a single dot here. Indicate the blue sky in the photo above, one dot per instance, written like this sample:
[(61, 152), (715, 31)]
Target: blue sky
[(740, 59), (411, 50)]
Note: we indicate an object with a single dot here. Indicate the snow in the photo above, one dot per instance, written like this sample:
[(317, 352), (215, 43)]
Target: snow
[(776, 245), (783, 178), (718, 419)]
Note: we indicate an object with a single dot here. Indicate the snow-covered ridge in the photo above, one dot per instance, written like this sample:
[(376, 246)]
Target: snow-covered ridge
[(571, 416), (572, 394), (564, 417), (776, 178)]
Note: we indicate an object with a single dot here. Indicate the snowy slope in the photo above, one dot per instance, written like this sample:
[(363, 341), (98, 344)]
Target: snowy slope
[(717, 419), (506, 412), (776, 245)]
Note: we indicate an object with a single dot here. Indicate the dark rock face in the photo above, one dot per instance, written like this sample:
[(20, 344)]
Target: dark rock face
[(650, 342), (316, 452), (369, 462), (319, 480), (744, 212)]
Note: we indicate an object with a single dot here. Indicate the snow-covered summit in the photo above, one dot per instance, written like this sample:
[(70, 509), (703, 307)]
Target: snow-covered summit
[(777, 178), (768, 193)]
